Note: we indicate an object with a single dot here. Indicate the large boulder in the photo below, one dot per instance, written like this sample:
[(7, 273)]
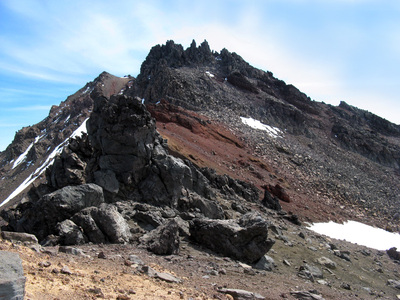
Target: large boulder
[(42, 216), (103, 224), (112, 224), (244, 239), (67, 201), (164, 240), (85, 220), (70, 233)]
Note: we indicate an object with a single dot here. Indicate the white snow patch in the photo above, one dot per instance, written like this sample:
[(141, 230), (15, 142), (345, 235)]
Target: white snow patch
[(210, 74), (359, 233), (143, 100), (78, 132), (67, 119), (272, 131), (48, 162), (38, 138), (86, 90), (22, 157)]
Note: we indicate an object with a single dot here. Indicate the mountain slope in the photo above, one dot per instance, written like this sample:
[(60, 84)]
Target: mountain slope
[(210, 164), (34, 147), (324, 156)]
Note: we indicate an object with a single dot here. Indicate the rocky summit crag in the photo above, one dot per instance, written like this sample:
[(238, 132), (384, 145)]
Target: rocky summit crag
[(169, 158)]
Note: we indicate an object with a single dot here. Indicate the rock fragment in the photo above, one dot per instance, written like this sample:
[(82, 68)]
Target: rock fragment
[(12, 279), (238, 294)]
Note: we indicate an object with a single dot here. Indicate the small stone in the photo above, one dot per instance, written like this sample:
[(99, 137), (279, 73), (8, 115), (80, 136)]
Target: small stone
[(322, 282), (101, 255), (66, 270), (326, 262), (135, 259), (365, 252), (394, 283), (168, 277), (44, 264), (128, 263), (222, 271), (71, 250), (304, 295), (241, 294), (286, 262), (147, 270), (266, 263), (214, 272), (96, 290), (345, 286)]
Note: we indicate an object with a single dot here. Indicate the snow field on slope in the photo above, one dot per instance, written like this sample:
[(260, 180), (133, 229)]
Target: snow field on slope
[(272, 131), (359, 233)]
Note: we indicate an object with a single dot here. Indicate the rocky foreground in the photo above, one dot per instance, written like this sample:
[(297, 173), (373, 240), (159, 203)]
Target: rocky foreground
[(300, 265)]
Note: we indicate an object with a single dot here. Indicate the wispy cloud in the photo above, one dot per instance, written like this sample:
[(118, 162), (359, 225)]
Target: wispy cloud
[(29, 108)]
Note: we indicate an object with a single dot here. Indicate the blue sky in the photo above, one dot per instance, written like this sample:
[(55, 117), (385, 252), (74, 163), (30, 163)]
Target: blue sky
[(332, 50)]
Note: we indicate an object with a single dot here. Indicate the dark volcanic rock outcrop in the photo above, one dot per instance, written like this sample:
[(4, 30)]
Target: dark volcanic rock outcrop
[(42, 216), (134, 183), (132, 160)]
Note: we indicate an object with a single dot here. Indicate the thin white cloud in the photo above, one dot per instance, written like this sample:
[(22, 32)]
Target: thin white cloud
[(29, 108)]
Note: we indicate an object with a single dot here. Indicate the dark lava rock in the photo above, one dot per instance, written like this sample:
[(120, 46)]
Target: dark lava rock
[(41, 217), (245, 239), (164, 240), (270, 201), (393, 253)]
